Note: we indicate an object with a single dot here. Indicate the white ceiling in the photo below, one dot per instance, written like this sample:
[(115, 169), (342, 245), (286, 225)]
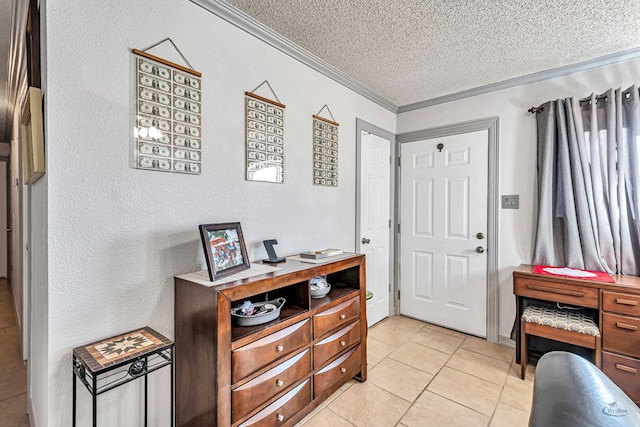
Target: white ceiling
[(409, 50)]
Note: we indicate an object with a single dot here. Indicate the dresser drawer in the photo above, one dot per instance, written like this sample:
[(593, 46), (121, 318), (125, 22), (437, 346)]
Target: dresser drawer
[(625, 372), (249, 396), (621, 303), (280, 411), (343, 368), (621, 334), (336, 317), (335, 343), (260, 353), (556, 292)]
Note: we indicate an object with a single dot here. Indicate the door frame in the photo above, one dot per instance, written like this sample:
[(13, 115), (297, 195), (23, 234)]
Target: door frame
[(490, 124), (362, 125)]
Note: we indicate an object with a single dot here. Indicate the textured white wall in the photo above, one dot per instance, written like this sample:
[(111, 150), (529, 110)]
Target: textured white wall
[(518, 153), (118, 235)]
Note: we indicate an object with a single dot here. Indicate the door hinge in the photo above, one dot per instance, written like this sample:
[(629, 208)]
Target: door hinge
[(398, 293), (390, 159), (398, 161), (389, 223), (398, 228), (389, 287)]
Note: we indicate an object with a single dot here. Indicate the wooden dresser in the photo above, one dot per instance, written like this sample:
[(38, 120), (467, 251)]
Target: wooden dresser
[(618, 307), (275, 373)]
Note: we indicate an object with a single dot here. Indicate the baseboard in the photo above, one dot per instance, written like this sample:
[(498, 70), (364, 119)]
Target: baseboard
[(506, 341), (32, 414)]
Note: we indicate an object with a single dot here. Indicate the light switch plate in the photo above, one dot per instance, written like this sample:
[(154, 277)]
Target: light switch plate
[(511, 201)]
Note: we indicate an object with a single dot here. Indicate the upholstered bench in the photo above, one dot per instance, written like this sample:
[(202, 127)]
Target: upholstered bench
[(559, 324)]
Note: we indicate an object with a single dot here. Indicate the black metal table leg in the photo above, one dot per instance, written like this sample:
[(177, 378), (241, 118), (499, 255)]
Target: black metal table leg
[(73, 423), (146, 364)]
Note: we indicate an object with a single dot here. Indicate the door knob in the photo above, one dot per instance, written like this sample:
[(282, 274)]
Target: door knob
[(480, 249), (479, 236), (365, 241)]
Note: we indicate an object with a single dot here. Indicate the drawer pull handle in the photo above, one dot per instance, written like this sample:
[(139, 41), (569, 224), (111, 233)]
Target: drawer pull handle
[(343, 316), (280, 417), (626, 301), (556, 291), (280, 348), (343, 370), (279, 383), (343, 343), (625, 326), (626, 368)]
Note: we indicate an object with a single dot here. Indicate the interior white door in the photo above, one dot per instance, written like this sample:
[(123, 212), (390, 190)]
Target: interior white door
[(375, 214), (443, 203)]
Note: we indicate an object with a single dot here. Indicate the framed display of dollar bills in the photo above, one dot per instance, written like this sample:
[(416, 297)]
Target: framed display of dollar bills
[(325, 152), (167, 116), (265, 138)]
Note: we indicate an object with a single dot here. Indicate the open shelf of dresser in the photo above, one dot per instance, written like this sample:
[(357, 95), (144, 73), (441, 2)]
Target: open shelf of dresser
[(275, 373)]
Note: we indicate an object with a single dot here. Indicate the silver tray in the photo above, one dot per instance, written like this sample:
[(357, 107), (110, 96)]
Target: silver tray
[(258, 319)]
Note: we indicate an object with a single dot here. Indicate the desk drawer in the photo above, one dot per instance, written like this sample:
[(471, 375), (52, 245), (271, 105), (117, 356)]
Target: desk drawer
[(283, 409), (621, 334), (557, 292), (260, 353), (336, 317), (621, 303), (334, 344), (341, 369), (249, 396), (625, 372)]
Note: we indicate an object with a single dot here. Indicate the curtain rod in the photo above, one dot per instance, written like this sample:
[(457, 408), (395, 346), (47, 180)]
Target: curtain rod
[(533, 110)]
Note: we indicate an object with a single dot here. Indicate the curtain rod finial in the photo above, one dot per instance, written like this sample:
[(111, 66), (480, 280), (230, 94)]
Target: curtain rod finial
[(535, 110)]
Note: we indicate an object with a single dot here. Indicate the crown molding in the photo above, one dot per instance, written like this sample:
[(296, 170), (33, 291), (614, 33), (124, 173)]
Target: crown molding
[(615, 58), (246, 23)]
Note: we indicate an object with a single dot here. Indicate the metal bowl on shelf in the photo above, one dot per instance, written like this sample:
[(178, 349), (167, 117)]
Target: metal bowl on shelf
[(258, 317)]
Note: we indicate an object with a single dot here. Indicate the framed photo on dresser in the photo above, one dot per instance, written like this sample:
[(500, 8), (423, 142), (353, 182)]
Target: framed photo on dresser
[(224, 249)]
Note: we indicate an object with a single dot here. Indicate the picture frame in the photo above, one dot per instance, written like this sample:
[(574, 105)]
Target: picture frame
[(33, 162), (224, 249)]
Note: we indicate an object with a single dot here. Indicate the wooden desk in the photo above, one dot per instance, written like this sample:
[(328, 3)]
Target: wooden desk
[(618, 307)]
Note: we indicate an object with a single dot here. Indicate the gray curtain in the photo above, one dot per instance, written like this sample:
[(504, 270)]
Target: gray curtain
[(589, 183)]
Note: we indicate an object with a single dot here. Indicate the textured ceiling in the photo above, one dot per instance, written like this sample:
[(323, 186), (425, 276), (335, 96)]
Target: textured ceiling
[(409, 51)]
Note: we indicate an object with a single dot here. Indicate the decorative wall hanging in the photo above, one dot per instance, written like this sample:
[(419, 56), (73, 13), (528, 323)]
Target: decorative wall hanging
[(265, 137), (167, 117), (33, 166), (325, 150)]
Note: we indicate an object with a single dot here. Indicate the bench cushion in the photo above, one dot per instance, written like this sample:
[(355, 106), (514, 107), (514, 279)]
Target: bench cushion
[(569, 320)]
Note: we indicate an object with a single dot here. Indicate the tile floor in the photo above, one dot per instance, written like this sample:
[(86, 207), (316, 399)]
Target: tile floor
[(419, 375), (424, 375), (13, 371)]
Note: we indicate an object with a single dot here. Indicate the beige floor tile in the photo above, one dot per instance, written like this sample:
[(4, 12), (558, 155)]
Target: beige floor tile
[(420, 357), (444, 330), (479, 365), (401, 322), (437, 340), (433, 410), (472, 392), (506, 416), (376, 351), (389, 334), (367, 405), (517, 393), (327, 418), (515, 371), (400, 379), (321, 407), (487, 348)]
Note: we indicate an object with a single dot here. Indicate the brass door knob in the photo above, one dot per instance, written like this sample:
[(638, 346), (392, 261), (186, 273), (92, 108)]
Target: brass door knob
[(365, 241), (480, 249), (480, 236)]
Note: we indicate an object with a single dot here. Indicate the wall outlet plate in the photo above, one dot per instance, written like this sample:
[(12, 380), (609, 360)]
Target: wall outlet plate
[(511, 201)]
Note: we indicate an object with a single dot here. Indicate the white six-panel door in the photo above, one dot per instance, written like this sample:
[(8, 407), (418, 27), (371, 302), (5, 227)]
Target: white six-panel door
[(443, 203), (375, 212)]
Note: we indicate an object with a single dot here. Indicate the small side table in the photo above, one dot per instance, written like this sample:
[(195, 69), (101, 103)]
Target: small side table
[(109, 363)]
